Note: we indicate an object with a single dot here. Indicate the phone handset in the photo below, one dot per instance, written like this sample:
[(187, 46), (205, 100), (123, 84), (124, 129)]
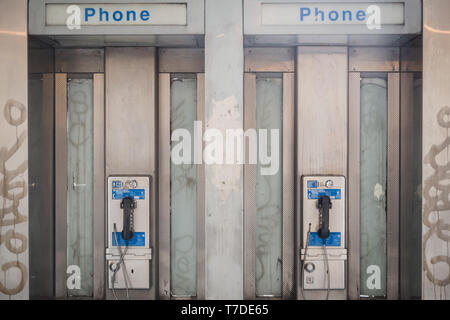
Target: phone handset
[(128, 205), (324, 205)]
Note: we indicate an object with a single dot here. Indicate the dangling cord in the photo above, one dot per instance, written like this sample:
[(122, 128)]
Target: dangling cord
[(304, 260), (122, 255), (327, 268)]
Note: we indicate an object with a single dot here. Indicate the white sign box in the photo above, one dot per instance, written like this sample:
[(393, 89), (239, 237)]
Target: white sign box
[(163, 14), (302, 13)]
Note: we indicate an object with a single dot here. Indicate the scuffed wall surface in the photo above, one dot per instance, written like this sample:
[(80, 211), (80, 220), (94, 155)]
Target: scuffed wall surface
[(13, 151), (224, 183), (436, 151)]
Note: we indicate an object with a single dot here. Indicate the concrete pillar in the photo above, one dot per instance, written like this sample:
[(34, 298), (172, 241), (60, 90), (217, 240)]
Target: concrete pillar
[(13, 150), (224, 183), (436, 146)]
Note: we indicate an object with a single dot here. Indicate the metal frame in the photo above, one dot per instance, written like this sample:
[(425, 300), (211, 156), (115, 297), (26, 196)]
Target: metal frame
[(408, 147), (61, 186), (195, 20), (178, 61), (99, 186), (393, 169), (252, 21), (262, 60)]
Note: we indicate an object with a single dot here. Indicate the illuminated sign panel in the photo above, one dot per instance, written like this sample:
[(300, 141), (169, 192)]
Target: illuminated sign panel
[(334, 13), (163, 14)]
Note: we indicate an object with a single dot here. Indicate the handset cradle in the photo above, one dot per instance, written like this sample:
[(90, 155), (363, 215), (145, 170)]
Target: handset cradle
[(324, 205), (128, 205)]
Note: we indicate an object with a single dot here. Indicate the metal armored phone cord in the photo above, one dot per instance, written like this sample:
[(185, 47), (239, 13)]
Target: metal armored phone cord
[(304, 261), (124, 270), (327, 268)]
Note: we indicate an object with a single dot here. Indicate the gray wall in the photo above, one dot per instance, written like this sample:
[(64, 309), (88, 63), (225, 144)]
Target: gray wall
[(223, 107), (436, 112)]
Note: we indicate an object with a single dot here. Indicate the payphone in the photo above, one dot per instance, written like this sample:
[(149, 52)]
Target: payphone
[(129, 252), (323, 252)]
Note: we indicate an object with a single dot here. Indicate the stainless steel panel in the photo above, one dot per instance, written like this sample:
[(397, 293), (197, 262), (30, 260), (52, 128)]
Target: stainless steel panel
[(411, 58), (201, 195), (354, 176), (41, 60), (41, 176), (365, 59), (410, 186), (131, 129), (164, 185), (288, 233), (269, 60), (79, 60), (181, 60), (249, 191), (323, 149)]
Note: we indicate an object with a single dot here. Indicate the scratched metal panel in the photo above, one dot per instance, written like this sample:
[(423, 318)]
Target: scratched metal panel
[(269, 186), (183, 184), (322, 85), (41, 154), (436, 160), (411, 185), (130, 128), (14, 271), (80, 200), (373, 185)]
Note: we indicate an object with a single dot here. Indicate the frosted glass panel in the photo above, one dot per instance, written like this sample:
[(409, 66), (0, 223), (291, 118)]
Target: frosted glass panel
[(183, 191), (269, 107), (373, 185), (80, 182)]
